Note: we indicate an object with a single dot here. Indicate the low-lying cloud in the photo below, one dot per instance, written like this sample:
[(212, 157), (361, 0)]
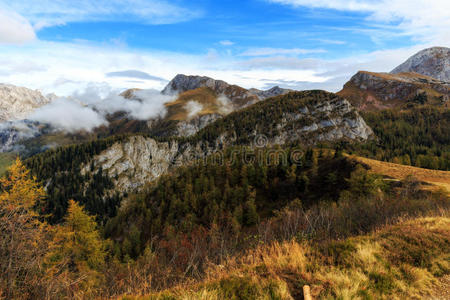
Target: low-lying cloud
[(193, 108), (89, 109), (68, 115)]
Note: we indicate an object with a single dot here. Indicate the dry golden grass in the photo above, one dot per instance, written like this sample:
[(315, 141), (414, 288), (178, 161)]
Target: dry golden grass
[(437, 179), (204, 96), (400, 76), (404, 261)]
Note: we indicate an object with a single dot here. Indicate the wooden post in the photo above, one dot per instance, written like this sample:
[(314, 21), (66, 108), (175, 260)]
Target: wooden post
[(307, 292)]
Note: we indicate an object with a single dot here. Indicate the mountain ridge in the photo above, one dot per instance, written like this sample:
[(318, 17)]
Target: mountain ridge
[(433, 62), (17, 102), (308, 117)]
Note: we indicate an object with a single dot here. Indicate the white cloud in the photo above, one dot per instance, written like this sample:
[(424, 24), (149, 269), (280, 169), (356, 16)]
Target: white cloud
[(146, 105), (331, 42), (226, 43), (68, 115), (135, 74), (64, 68), (425, 20), (88, 109), (279, 51), (15, 29), (45, 13), (193, 108)]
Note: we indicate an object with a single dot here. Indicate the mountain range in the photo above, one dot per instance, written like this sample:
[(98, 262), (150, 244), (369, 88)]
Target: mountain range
[(211, 190), (201, 100)]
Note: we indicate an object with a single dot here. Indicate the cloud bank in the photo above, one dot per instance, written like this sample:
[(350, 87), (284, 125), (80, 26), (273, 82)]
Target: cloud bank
[(15, 29), (89, 109), (68, 115)]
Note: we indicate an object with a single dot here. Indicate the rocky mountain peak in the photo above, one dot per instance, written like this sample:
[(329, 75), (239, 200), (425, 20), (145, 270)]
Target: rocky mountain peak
[(241, 96), (375, 91), (182, 83), (433, 62), (17, 102), (272, 92)]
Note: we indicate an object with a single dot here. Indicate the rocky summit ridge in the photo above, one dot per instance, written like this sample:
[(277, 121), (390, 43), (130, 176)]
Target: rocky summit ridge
[(433, 62), (423, 78), (240, 97), (17, 102)]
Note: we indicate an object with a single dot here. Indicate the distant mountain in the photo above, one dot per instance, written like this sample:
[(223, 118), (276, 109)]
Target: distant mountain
[(239, 96), (433, 62), (201, 100), (422, 79), (375, 91), (17, 102)]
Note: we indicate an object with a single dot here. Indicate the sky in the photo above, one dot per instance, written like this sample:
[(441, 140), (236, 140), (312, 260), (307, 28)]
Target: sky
[(67, 47)]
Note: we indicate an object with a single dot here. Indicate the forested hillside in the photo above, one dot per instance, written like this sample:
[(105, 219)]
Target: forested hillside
[(59, 171), (304, 117), (229, 195), (419, 136), (197, 219)]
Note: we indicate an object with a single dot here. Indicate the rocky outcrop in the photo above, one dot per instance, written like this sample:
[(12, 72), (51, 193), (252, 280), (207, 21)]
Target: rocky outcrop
[(136, 161), (375, 91), (140, 160), (191, 127), (326, 122), (17, 102), (433, 62)]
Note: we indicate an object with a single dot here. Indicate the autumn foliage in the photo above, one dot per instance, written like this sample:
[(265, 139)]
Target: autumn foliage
[(40, 261)]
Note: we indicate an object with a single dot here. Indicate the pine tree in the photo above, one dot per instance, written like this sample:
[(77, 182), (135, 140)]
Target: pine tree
[(77, 251), (22, 238)]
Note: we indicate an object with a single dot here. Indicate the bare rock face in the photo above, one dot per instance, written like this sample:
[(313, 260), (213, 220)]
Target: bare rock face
[(17, 102), (136, 161), (330, 121), (191, 127), (139, 160), (375, 91), (433, 62)]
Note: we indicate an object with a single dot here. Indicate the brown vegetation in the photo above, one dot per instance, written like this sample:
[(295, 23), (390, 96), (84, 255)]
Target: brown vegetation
[(437, 179)]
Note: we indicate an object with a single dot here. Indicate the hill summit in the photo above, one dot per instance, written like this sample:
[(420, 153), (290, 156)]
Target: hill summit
[(433, 62)]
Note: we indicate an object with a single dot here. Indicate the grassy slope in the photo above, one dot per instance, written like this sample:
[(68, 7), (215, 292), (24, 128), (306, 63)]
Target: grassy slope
[(434, 177), (205, 96), (370, 100), (404, 261)]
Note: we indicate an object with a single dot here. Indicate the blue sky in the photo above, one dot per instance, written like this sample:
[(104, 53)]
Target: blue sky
[(247, 24), (63, 46)]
